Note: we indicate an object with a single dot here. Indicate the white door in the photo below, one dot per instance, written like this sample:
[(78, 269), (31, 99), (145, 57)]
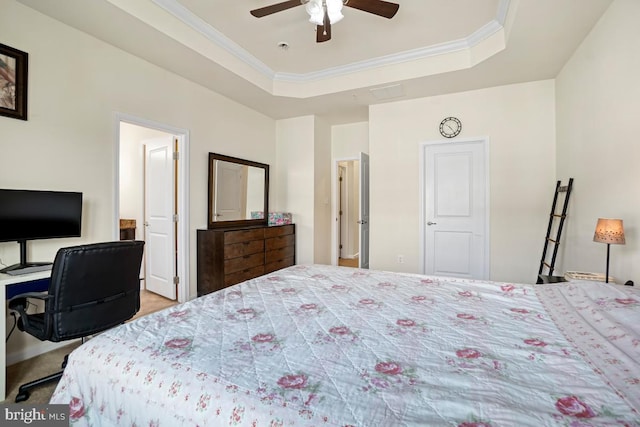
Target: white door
[(363, 261), (455, 209), (160, 232), (230, 190)]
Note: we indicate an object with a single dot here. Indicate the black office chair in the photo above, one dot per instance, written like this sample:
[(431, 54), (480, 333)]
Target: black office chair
[(93, 288)]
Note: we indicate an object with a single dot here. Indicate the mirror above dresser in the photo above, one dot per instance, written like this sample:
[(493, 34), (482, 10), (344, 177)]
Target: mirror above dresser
[(238, 192)]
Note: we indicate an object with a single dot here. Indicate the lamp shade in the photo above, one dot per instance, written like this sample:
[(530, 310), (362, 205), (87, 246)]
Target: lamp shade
[(609, 231)]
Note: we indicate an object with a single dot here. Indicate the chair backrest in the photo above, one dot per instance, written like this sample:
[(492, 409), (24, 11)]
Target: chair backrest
[(93, 288)]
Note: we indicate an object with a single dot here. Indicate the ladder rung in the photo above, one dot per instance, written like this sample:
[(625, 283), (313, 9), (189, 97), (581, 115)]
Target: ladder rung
[(563, 189), (559, 216), (551, 240), (546, 264)]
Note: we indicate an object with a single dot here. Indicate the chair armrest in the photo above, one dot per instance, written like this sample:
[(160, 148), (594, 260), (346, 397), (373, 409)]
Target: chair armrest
[(37, 295), (19, 302)]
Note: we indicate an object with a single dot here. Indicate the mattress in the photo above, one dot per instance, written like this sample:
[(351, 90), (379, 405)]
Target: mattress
[(316, 345)]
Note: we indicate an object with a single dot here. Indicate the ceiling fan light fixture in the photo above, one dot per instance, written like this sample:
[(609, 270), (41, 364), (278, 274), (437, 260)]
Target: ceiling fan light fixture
[(334, 10), (315, 9)]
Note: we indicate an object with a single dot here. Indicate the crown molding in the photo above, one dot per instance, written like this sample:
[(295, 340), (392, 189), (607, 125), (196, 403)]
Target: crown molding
[(194, 22)]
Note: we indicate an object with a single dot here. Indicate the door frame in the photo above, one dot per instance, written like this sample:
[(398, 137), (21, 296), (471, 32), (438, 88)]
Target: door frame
[(182, 237), (335, 239), (422, 151)]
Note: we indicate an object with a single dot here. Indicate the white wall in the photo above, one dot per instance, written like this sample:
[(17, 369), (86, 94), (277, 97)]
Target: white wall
[(598, 131), (77, 84), (519, 121)]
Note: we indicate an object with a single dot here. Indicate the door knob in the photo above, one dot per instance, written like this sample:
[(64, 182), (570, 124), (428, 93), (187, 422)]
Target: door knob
[(431, 223)]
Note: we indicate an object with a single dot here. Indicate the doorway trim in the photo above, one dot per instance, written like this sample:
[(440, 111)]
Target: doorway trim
[(182, 237), (422, 150), (334, 206)]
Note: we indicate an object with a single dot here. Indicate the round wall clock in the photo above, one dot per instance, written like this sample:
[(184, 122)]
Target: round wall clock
[(450, 127)]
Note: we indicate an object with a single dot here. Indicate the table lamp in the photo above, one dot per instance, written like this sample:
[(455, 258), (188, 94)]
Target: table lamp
[(609, 231)]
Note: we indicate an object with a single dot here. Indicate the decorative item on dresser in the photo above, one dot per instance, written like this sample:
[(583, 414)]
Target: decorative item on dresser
[(232, 255)]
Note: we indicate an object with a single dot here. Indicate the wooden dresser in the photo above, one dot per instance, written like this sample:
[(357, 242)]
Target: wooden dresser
[(228, 256)]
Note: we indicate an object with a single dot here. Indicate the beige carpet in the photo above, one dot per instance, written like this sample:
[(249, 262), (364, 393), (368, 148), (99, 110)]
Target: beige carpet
[(49, 363)]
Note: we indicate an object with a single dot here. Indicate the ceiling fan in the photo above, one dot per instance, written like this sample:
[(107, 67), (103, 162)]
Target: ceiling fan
[(323, 13)]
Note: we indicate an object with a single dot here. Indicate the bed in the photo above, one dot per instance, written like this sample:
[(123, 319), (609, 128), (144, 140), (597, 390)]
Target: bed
[(315, 345)]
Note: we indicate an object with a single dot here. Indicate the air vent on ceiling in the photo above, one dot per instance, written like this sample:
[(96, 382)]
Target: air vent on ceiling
[(387, 92)]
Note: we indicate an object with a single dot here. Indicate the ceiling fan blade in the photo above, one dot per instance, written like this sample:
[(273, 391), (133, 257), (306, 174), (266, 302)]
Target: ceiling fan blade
[(377, 7), (323, 32), (278, 7)]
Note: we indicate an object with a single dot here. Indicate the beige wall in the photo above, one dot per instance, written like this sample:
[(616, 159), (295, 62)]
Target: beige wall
[(348, 140), (303, 179), (294, 180), (76, 85), (519, 121), (322, 192), (598, 127)]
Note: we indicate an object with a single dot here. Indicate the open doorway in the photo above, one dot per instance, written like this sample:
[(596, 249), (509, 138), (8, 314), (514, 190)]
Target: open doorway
[(351, 206), (348, 212), (151, 198)]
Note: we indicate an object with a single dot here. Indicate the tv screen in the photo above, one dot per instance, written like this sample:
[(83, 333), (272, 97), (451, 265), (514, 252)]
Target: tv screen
[(30, 214)]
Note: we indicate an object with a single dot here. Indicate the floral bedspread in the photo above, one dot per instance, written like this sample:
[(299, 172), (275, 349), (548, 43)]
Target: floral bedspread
[(334, 346)]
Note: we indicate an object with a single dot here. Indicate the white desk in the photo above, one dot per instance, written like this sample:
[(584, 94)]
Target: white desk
[(5, 281)]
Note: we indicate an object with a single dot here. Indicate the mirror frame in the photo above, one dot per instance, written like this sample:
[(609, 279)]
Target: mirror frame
[(240, 222)]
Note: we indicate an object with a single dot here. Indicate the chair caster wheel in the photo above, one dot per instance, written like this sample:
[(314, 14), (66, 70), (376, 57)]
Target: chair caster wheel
[(22, 396)]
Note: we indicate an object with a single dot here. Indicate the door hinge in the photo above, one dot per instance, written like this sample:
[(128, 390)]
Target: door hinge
[(176, 280), (175, 218), (176, 155)]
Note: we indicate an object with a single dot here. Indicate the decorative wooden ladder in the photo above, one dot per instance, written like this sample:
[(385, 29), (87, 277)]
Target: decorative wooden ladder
[(556, 222)]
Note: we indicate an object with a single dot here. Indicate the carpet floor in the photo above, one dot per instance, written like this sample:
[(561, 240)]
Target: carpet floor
[(50, 362)]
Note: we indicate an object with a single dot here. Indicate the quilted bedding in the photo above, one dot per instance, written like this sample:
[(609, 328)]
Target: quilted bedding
[(333, 346)]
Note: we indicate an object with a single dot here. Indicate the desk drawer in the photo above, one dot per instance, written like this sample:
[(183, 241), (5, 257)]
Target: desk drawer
[(244, 248)]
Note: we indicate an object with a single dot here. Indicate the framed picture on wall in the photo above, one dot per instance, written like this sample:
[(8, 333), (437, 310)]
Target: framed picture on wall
[(13, 82)]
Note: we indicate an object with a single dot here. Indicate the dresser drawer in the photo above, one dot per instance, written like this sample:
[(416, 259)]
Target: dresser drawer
[(279, 254), (279, 242), (249, 247), (243, 235), (228, 256), (277, 265), (241, 276), (244, 262), (278, 231)]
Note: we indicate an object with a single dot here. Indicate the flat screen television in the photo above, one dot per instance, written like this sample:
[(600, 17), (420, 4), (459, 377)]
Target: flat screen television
[(33, 214)]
